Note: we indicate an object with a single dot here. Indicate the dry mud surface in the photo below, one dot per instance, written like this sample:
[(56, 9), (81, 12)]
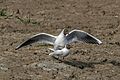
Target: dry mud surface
[(20, 19)]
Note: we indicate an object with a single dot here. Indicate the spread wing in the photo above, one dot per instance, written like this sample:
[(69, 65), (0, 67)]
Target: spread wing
[(79, 35), (41, 37)]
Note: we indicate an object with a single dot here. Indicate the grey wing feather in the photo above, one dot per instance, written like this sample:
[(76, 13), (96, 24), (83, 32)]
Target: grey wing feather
[(41, 37), (79, 35)]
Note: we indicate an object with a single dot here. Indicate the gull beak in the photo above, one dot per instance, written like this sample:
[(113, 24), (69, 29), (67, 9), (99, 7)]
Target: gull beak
[(62, 32)]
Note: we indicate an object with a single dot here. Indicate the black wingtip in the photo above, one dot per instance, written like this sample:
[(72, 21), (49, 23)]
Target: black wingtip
[(17, 47)]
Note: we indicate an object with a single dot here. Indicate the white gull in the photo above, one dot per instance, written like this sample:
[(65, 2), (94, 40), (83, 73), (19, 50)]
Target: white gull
[(60, 52), (61, 40)]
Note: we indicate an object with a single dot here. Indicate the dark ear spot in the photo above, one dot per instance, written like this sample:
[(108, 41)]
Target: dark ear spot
[(66, 31), (68, 46)]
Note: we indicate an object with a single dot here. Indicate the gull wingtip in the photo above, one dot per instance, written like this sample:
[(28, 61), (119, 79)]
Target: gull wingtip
[(16, 48), (100, 42)]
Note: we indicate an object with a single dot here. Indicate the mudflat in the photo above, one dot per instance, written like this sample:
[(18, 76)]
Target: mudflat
[(20, 19)]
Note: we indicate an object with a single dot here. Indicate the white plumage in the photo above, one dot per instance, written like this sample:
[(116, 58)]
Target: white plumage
[(59, 42), (59, 53)]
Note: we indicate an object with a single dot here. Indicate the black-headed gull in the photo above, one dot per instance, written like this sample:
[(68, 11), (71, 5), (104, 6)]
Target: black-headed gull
[(61, 40), (59, 53)]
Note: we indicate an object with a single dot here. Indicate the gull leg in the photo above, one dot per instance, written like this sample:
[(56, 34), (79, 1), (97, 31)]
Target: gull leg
[(62, 58), (55, 57), (59, 58)]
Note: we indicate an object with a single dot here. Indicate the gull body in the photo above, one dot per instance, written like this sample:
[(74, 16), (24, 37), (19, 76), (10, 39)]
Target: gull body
[(61, 40), (59, 53)]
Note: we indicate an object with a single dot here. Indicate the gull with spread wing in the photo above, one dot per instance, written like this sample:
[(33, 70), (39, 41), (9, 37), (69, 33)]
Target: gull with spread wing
[(61, 40)]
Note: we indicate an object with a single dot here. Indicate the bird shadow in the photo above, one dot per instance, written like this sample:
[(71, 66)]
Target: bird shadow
[(82, 65)]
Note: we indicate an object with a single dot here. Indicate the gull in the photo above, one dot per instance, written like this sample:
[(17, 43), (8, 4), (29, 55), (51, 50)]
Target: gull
[(59, 53), (61, 40)]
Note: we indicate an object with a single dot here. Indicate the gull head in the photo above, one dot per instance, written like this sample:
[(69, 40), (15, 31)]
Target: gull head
[(63, 31)]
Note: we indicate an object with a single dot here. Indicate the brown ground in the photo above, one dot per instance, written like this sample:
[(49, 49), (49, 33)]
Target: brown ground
[(20, 19)]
